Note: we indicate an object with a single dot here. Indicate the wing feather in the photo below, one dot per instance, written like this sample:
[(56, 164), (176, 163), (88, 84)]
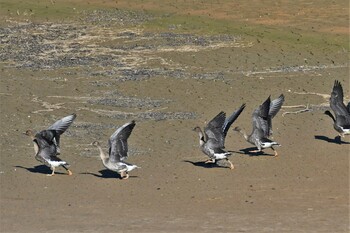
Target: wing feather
[(213, 130), (260, 117), (45, 142), (60, 127), (118, 145), (337, 105), (275, 106), (229, 121)]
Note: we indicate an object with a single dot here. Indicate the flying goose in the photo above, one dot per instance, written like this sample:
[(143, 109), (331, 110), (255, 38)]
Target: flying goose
[(212, 141), (262, 124), (118, 151), (341, 112), (47, 143)]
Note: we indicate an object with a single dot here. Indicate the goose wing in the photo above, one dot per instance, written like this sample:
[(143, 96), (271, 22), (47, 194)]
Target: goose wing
[(118, 144), (260, 124), (261, 117), (47, 136), (46, 147), (337, 92), (257, 135), (337, 104), (61, 126), (213, 130), (229, 121), (275, 106)]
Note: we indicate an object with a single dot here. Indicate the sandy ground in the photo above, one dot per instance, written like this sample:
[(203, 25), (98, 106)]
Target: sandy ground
[(169, 86)]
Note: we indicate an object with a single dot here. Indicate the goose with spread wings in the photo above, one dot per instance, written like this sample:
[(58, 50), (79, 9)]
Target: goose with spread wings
[(262, 125), (212, 141), (342, 113), (118, 151), (47, 144)]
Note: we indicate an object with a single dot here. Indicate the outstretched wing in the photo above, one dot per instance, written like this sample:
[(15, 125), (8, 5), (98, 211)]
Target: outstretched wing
[(337, 92), (260, 117), (118, 145), (45, 142), (275, 106), (213, 130), (337, 104), (47, 136), (61, 126), (229, 121)]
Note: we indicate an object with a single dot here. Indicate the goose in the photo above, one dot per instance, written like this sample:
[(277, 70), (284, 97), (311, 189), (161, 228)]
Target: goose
[(342, 113), (212, 141), (47, 144), (262, 125), (118, 151)]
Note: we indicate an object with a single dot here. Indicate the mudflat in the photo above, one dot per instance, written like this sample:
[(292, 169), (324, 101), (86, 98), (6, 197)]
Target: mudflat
[(171, 67)]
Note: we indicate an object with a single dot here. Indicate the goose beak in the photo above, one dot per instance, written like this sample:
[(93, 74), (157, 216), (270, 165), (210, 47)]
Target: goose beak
[(25, 133)]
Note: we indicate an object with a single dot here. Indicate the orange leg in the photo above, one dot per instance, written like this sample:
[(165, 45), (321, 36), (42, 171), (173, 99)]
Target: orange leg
[(53, 172), (255, 151), (210, 161), (126, 176), (276, 154), (231, 165)]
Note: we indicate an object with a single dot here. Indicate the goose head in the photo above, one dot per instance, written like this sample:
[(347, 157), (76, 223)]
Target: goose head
[(201, 135), (95, 143), (197, 129), (30, 133)]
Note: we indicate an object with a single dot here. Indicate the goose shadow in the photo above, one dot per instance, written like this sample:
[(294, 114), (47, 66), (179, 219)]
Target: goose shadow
[(106, 174), (203, 164), (42, 169), (336, 140), (249, 151)]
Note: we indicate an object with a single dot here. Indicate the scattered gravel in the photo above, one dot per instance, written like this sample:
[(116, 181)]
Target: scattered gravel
[(115, 17), (157, 116), (53, 46), (129, 102), (100, 48)]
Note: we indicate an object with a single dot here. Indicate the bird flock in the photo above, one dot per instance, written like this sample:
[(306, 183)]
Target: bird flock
[(211, 141)]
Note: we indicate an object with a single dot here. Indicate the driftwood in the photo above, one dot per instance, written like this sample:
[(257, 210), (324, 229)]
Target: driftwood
[(309, 107)]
